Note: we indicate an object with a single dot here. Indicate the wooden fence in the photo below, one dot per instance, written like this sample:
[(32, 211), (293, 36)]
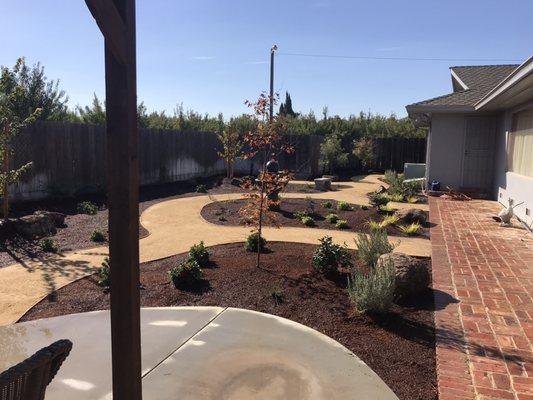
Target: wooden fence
[(70, 158), (392, 153)]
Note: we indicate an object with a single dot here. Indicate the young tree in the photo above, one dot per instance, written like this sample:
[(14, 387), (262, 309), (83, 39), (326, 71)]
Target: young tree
[(332, 154), (364, 150), (15, 114), (231, 149), (265, 142)]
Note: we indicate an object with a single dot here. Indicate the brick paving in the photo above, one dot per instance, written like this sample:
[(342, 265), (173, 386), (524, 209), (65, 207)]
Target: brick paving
[(483, 282)]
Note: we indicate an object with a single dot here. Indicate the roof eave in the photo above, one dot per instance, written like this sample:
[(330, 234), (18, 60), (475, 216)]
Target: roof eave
[(512, 79), (421, 108)]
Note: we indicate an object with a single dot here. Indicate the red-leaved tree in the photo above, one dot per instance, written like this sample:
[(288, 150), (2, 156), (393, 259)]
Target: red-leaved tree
[(264, 142)]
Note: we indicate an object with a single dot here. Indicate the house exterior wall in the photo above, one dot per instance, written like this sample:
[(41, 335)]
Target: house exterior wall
[(446, 149), (507, 184)]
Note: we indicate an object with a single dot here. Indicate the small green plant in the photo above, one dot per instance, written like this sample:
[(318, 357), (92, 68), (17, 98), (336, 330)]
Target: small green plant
[(344, 206), (98, 236), (341, 224), (389, 220), (374, 291), (387, 208), (378, 199), (104, 274), (390, 176), (410, 229), (364, 207), (332, 218), (396, 197), (329, 257), (185, 275), (199, 253), (301, 215), (327, 204), (373, 245), (255, 242), (277, 294), (201, 189), (308, 221), (48, 246), (412, 199), (374, 225), (87, 207)]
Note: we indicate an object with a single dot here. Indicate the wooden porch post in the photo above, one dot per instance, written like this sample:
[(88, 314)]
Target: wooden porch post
[(116, 20)]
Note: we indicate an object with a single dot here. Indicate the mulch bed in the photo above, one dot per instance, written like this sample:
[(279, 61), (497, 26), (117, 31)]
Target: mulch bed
[(227, 213), (399, 347), (79, 227)]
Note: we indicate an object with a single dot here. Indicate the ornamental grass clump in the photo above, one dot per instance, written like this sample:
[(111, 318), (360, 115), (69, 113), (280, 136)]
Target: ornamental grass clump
[(372, 292), (327, 204), (410, 229), (48, 246), (329, 257), (378, 199), (371, 246), (186, 275), (199, 253), (104, 274), (308, 221), (98, 236), (387, 208), (389, 220)]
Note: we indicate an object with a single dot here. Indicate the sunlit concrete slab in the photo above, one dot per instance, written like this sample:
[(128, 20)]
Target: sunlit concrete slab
[(86, 373), (245, 355)]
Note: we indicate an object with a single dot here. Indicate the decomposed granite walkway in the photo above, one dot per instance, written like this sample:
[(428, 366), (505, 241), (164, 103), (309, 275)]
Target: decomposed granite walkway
[(174, 226)]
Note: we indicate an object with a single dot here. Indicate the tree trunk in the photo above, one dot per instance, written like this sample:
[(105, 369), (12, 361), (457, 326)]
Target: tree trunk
[(5, 189)]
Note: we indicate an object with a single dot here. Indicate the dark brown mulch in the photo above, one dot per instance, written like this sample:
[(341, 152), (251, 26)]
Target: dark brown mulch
[(227, 213), (79, 227), (399, 347)]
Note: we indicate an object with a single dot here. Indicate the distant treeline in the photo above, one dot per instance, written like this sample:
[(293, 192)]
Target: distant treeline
[(45, 94)]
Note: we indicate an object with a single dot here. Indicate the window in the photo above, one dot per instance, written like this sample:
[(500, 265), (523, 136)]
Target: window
[(520, 146)]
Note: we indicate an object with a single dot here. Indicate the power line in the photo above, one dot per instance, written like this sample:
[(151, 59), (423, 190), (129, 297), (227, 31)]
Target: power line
[(400, 58)]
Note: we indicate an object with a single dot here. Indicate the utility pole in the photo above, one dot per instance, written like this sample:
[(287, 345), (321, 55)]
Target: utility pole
[(272, 51)]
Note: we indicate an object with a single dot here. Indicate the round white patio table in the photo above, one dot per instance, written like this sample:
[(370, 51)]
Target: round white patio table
[(197, 353)]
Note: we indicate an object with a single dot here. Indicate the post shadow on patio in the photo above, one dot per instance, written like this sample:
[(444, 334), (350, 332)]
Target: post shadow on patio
[(116, 20)]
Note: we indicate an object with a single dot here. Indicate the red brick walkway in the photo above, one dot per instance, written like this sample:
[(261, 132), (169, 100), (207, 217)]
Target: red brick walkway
[(483, 281)]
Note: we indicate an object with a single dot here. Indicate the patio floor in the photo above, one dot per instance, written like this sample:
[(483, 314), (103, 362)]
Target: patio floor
[(483, 281), (201, 353)]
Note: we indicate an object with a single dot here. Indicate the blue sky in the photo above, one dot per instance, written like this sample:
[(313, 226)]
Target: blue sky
[(211, 55)]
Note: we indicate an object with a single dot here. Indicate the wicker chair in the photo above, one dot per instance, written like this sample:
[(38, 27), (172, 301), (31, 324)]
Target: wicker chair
[(28, 380)]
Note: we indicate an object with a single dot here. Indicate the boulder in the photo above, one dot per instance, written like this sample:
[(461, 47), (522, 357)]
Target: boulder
[(41, 223), (412, 275), (323, 184), (411, 215)]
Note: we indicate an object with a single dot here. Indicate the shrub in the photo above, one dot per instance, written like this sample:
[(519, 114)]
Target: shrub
[(373, 245), (341, 224), (201, 189), (386, 208), (389, 176), (185, 275), (98, 236), (328, 256), (410, 229), (344, 206), (252, 242), (48, 246), (104, 274), (332, 218), (364, 207), (378, 199), (87, 207), (374, 291), (374, 225), (308, 221), (327, 204), (389, 220), (199, 253), (301, 215), (412, 199), (396, 197)]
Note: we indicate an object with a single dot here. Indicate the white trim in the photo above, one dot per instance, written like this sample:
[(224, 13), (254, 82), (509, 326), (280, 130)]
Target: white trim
[(513, 78), (459, 81)]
